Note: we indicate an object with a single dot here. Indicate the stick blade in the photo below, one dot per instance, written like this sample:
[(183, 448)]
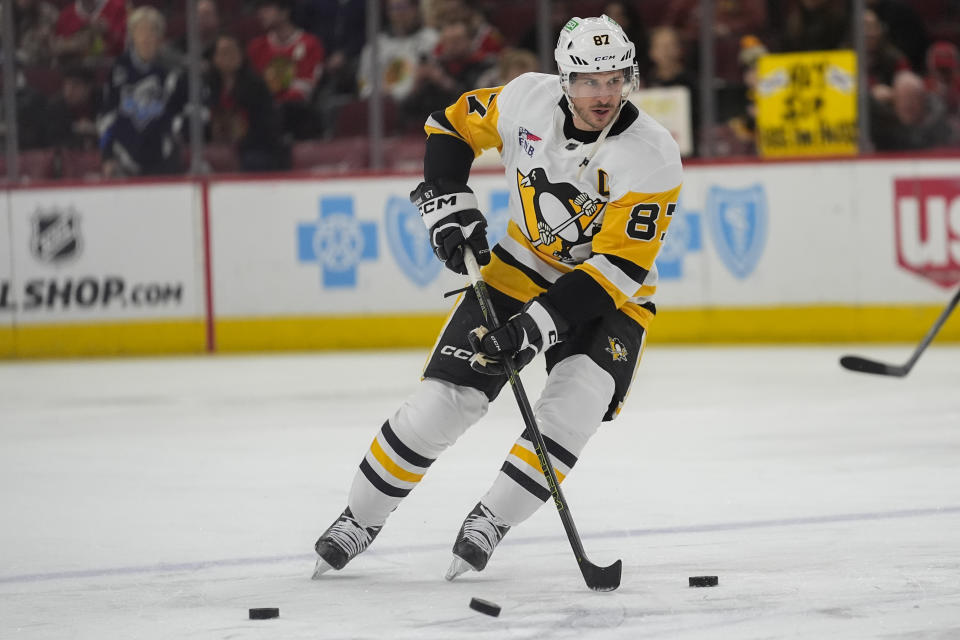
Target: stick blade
[(865, 365), (601, 578)]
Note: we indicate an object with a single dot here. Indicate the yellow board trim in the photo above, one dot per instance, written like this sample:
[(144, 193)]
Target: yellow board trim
[(753, 325), (108, 339), (339, 332), (392, 467), (531, 459), (811, 325)]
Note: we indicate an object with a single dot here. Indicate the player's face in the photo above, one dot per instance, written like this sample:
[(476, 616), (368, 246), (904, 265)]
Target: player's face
[(595, 98)]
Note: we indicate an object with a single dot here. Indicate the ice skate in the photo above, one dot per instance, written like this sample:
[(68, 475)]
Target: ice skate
[(481, 532), (342, 542)]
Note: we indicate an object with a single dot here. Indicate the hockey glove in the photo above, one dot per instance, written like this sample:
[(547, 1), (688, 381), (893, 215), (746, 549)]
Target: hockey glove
[(449, 211), (537, 327)]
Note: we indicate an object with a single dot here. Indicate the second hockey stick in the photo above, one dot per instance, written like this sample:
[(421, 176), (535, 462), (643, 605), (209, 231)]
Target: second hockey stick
[(597, 578), (866, 365)]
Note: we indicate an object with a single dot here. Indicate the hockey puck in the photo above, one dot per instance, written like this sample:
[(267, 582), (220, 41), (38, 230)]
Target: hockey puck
[(485, 606), (703, 581), (265, 613)]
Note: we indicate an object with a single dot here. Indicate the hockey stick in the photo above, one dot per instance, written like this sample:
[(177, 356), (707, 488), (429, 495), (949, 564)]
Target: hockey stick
[(865, 365), (597, 578)]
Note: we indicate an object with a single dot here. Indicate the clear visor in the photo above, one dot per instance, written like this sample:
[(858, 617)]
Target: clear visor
[(614, 84)]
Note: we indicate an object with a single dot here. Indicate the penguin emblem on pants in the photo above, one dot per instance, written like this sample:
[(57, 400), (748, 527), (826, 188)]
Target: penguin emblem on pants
[(617, 350)]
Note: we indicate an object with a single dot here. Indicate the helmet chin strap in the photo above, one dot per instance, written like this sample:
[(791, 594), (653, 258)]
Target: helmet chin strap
[(596, 145)]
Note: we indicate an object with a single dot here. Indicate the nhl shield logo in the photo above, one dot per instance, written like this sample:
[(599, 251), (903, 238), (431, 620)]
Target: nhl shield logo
[(409, 243), (55, 236), (738, 221)]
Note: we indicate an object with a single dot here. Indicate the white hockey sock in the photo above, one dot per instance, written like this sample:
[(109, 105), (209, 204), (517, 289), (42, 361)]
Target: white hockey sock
[(423, 427), (568, 413)]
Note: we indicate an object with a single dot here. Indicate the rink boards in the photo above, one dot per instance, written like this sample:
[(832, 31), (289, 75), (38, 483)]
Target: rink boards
[(810, 251)]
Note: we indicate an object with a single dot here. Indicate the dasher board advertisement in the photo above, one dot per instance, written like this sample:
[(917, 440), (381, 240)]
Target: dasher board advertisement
[(94, 254)]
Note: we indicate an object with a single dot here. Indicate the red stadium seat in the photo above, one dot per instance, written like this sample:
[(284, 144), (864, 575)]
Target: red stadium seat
[(81, 165), (34, 165), (43, 79), (351, 119), (404, 153), (332, 156), (222, 158)]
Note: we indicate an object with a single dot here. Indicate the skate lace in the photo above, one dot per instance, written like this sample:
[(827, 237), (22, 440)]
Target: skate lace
[(349, 536), (482, 531)]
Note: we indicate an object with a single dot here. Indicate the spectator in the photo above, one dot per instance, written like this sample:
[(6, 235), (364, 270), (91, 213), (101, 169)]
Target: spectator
[(905, 29), (667, 65), (88, 30), (208, 28), (817, 25), (242, 111), (456, 68), (72, 115), (487, 41), (290, 61), (943, 75), (341, 27), (668, 69), (31, 115), (405, 43), (733, 18), (738, 135), (913, 119), (33, 25), (510, 64), (624, 14), (144, 104), (884, 60)]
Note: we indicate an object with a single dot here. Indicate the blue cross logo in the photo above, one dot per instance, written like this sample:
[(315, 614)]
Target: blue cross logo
[(684, 236), (337, 241)]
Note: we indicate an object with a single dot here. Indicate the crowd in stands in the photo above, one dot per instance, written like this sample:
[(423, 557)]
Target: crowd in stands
[(102, 85)]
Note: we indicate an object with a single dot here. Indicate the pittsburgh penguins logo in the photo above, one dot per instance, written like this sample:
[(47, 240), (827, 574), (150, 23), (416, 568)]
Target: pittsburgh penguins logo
[(617, 350), (558, 217)]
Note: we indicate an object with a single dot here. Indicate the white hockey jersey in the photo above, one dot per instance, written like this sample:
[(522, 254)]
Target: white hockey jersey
[(608, 219)]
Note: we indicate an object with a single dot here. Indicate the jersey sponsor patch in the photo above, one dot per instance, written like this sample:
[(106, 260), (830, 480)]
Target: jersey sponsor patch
[(526, 139)]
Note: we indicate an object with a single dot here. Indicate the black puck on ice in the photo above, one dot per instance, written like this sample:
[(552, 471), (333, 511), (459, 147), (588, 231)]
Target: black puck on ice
[(265, 613), (703, 581), (485, 606)]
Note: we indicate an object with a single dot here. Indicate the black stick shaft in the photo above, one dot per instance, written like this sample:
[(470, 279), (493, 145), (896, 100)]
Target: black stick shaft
[(866, 365), (931, 334), (597, 578)]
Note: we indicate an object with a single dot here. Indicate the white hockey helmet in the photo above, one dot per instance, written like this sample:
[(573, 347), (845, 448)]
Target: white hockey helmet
[(594, 45)]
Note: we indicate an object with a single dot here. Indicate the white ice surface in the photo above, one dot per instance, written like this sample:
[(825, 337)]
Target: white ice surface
[(162, 498)]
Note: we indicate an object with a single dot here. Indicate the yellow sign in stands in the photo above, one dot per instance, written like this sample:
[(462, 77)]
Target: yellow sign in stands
[(807, 104)]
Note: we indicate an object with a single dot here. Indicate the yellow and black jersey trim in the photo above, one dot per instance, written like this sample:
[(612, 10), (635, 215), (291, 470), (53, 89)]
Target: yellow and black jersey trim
[(392, 467), (520, 272), (472, 118)]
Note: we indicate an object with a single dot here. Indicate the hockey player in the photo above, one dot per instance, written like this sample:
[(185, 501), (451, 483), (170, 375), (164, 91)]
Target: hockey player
[(594, 183)]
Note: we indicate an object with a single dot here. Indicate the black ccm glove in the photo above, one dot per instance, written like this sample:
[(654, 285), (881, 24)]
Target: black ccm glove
[(449, 210), (538, 326)]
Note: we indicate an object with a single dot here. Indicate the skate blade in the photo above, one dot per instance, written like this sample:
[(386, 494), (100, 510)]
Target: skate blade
[(321, 568), (458, 567)]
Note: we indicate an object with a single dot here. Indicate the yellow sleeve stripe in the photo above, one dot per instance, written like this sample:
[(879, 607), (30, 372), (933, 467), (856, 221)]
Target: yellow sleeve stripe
[(432, 131), (531, 459), (392, 467)]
